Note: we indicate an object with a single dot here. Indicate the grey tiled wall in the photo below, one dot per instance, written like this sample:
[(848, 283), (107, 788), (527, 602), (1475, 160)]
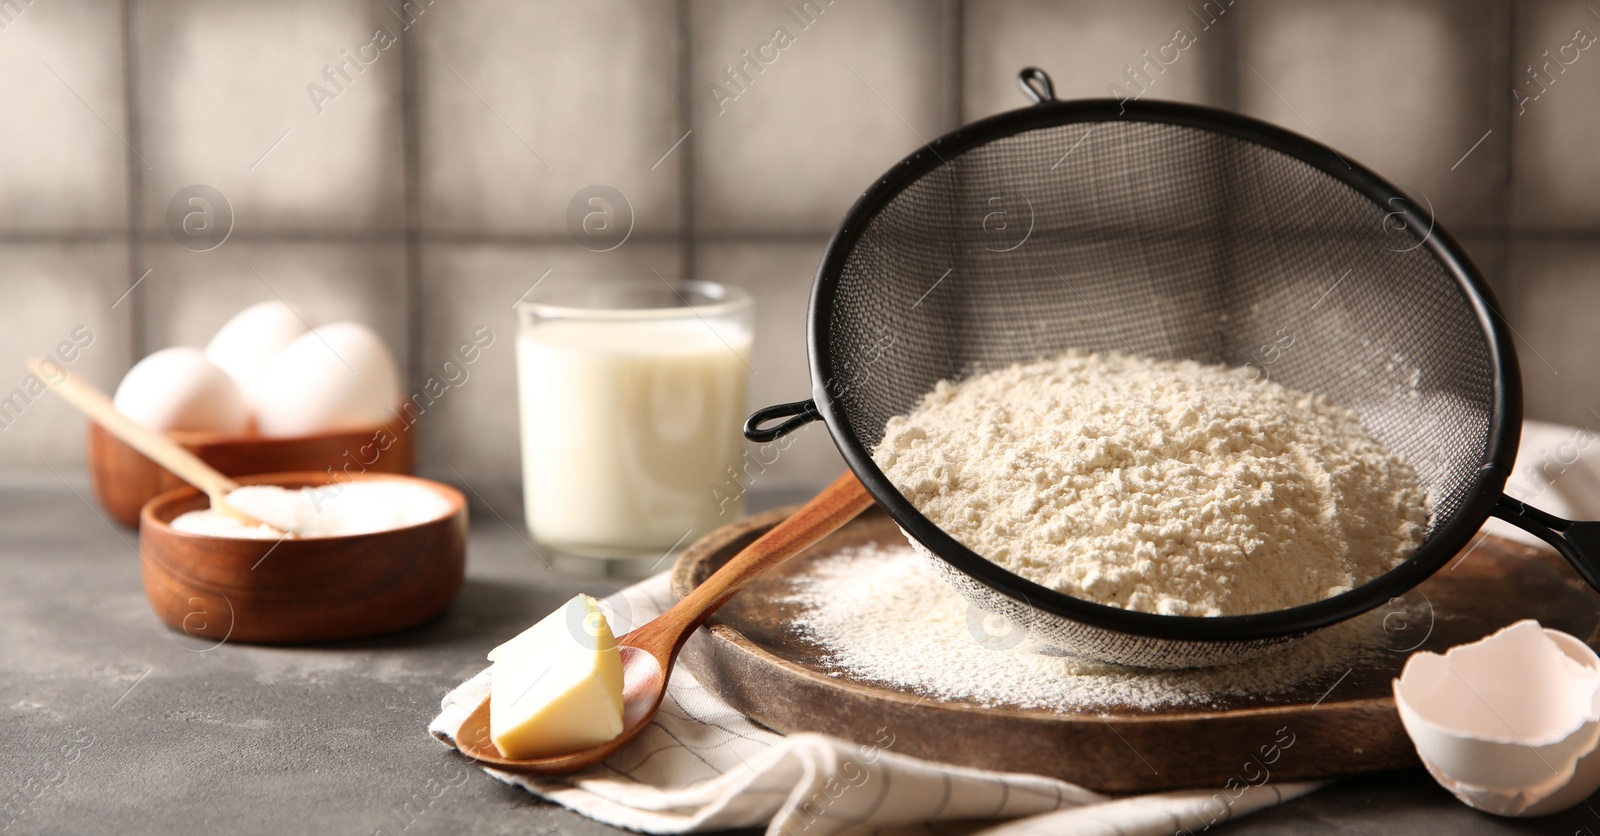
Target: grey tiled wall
[(432, 189)]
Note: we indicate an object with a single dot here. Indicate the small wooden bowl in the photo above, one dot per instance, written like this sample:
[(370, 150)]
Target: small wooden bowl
[(124, 479), (217, 589)]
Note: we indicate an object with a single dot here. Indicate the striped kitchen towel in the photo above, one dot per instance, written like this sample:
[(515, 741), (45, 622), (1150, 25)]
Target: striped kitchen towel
[(703, 766)]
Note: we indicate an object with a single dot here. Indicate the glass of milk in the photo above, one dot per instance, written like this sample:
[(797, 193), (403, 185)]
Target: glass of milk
[(632, 394)]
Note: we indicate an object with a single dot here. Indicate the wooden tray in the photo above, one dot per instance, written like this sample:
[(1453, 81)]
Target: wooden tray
[(753, 659)]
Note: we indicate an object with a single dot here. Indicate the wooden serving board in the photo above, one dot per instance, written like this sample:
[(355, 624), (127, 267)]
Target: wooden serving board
[(751, 656)]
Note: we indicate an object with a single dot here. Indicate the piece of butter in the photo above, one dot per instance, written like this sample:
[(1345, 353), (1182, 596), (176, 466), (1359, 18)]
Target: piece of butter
[(557, 686)]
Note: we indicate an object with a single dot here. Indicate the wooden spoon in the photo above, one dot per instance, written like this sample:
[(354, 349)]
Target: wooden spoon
[(649, 651), (161, 449)]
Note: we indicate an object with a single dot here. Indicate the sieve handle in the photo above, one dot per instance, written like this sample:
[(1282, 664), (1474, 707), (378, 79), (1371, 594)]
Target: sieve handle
[(1037, 85), (1577, 540), (799, 413)]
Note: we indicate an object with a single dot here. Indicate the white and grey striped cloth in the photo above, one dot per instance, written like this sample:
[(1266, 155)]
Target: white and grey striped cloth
[(703, 766)]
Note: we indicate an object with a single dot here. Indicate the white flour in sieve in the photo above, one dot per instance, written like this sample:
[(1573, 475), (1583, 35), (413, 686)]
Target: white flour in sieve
[(1160, 486), (882, 614)]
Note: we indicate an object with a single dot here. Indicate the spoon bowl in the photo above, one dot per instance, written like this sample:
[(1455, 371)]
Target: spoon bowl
[(649, 652)]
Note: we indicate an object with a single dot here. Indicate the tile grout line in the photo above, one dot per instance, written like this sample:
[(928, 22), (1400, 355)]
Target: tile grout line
[(1503, 117), (138, 327), (536, 239), (687, 236), (956, 78), (396, 236), (411, 210), (1587, 235), (1227, 80)]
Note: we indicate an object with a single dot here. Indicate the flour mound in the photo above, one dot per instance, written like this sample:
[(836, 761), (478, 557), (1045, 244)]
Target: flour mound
[(881, 614), (1160, 486)]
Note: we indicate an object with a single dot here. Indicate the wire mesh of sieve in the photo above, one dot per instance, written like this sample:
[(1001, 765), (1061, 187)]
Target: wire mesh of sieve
[(1170, 232)]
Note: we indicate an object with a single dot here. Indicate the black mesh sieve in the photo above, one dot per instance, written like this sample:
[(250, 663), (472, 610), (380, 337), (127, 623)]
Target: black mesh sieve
[(1168, 241), (1175, 232)]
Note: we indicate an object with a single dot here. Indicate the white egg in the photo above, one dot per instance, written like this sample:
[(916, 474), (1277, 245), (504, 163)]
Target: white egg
[(179, 389), (245, 344), (338, 376)]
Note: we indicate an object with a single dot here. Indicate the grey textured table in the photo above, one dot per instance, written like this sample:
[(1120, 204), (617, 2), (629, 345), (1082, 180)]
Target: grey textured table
[(115, 725)]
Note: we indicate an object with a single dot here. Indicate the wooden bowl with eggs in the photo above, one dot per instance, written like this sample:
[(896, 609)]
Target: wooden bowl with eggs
[(300, 590), (268, 394), (124, 479)]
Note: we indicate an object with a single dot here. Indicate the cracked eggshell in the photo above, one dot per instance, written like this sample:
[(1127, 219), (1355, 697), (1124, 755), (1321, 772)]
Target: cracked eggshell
[(1509, 724)]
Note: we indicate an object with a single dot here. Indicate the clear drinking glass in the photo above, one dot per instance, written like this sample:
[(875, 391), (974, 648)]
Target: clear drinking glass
[(632, 394)]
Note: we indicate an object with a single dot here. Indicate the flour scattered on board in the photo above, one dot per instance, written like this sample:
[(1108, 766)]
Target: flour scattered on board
[(881, 614), (1159, 486)]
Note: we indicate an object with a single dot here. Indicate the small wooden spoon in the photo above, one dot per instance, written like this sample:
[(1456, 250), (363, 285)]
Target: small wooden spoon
[(649, 651), (162, 450)]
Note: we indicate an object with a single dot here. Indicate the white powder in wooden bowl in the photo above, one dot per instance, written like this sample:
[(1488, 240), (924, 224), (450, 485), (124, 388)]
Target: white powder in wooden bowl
[(339, 510), (1159, 486), (881, 614)]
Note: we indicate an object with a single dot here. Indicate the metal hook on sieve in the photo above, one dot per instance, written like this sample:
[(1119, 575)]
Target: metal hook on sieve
[(1037, 85), (803, 412)]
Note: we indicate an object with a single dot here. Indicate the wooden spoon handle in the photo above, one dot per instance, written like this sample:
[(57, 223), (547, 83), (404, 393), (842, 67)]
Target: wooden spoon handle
[(838, 504), (162, 450)]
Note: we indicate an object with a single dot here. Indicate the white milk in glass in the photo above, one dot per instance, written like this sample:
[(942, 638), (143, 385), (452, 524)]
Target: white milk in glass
[(627, 429)]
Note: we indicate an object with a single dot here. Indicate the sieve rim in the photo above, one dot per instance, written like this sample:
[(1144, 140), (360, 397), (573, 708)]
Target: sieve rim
[(1448, 538)]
